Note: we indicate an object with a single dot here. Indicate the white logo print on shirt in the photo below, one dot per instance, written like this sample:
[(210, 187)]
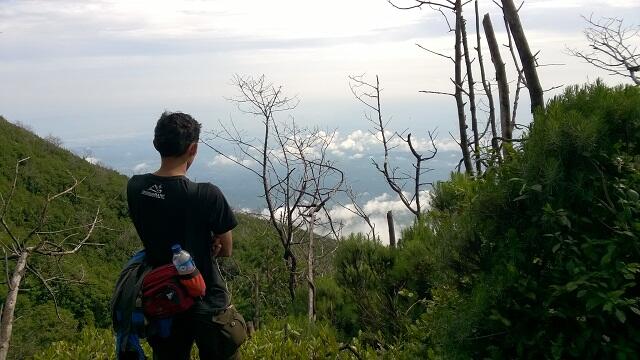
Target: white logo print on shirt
[(154, 191)]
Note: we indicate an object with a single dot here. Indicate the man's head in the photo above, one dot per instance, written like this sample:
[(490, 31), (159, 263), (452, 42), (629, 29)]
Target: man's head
[(176, 135)]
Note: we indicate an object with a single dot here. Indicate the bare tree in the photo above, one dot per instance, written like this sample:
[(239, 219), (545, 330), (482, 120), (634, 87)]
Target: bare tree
[(486, 85), (527, 58), (464, 73), (369, 95), (354, 207), (459, 83), (471, 94), (37, 242), (501, 78), (461, 51), (325, 182), (290, 163), (521, 82), (614, 47)]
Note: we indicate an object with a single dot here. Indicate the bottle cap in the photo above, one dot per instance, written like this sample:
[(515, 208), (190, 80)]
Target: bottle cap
[(176, 248)]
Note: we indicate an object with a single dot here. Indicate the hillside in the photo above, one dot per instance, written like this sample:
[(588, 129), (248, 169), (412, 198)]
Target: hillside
[(49, 170)]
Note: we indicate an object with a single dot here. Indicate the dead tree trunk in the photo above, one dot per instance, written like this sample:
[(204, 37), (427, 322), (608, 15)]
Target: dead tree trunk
[(256, 316), (462, 122), (487, 88), (526, 57), (392, 230), (501, 78), (312, 287), (6, 324), (472, 98)]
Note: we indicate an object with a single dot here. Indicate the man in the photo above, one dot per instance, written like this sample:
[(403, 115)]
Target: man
[(159, 204)]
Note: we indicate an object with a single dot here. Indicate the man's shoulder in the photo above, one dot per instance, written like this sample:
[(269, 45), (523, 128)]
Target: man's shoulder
[(206, 189), (136, 179), (133, 182)]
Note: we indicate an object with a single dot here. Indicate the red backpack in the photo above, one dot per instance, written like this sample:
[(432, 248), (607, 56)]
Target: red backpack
[(162, 294)]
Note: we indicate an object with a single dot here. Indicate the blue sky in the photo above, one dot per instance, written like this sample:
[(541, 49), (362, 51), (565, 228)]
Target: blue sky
[(98, 73)]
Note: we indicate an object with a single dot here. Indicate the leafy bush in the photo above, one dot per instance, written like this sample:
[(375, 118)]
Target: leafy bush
[(555, 232), (538, 258)]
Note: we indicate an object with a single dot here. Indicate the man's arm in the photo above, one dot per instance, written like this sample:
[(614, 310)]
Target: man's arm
[(222, 244), (221, 222)]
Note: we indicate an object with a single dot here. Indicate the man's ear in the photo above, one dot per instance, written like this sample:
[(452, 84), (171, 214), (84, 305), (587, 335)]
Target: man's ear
[(193, 149)]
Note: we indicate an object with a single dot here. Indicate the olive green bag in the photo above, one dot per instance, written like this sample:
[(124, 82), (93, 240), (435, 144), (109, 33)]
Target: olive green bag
[(234, 328)]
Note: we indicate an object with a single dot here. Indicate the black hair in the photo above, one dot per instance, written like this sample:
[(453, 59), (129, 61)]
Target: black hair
[(174, 133)]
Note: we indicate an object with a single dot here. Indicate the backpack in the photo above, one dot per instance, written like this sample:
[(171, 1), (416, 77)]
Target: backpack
[(163, 295), (127, 316)]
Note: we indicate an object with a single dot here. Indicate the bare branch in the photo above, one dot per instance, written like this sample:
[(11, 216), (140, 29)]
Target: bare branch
[(611, 48), (390, 173), (420, 3), (436, 53)]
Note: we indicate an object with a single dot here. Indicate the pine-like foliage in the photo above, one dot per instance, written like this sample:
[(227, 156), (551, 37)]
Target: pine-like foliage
[(539, 258)]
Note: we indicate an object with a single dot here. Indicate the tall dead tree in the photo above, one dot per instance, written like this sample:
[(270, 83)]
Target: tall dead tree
[(458, 81), (19, 251), (368, 93), (471, 94), (284, 159), (486, 85), (467, 93), (614, 47), (521, 82), (527, 58), (501, 79), (325, 180)]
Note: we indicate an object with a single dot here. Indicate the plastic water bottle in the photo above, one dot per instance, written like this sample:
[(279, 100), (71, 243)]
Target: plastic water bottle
[(182, 260), (189, 275)]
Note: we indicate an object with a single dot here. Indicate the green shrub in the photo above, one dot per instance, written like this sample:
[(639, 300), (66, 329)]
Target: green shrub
[(558, 249), (91, 344), (38, 326), (538, 258)]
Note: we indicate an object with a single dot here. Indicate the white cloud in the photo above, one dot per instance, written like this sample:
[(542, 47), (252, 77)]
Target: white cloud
[(220, 160), (447, 145), (555, 4), (360, 144), (141, 168), (345, 214), (383, 203), (377, 209), (92, 160)]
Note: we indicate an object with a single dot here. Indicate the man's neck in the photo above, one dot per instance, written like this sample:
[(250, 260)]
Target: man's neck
[(172, 167)]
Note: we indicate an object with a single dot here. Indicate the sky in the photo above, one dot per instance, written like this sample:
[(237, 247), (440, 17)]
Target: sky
[(98, 73)]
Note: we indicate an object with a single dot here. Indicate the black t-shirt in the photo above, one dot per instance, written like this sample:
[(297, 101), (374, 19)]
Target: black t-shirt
[(159, 207)]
